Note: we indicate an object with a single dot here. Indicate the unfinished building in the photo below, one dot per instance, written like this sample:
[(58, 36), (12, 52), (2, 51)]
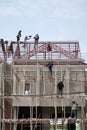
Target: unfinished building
[(29, 98)]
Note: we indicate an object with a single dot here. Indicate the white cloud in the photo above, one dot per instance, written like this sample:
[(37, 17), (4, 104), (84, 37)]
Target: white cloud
[(69, 9), (41, 8), (20, 8)]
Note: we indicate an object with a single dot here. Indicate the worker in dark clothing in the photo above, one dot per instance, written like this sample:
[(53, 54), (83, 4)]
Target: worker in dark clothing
[(17, 52), (36, 38), (3, 47), (74, 109), (10, 48), (71, 126), (49, 48), (50, 66), (60, 87), (19, 35)]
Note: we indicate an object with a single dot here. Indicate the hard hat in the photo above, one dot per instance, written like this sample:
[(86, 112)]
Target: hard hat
[(77, 120)]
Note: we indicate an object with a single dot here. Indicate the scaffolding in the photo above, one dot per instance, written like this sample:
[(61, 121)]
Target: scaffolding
[(63, 54)]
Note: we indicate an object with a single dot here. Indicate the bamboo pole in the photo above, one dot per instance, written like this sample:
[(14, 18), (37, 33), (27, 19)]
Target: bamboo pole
[(43, 81), (55, 97), (3, 105), (82, 112)]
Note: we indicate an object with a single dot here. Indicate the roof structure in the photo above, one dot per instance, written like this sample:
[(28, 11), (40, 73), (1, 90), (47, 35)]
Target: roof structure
[(16, 53)]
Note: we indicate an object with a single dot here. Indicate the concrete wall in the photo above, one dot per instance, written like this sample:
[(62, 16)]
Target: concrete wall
[(43, 90), (41, 84)]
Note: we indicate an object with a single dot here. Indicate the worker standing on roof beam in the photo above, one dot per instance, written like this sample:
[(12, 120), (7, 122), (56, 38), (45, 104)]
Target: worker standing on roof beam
[(36, 39), (17, 52), (10, 48), (25, 40), (19, 35), (49, 49), (3, 47)]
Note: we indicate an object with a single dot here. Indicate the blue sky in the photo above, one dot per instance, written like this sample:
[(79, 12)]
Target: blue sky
[(53, 20)]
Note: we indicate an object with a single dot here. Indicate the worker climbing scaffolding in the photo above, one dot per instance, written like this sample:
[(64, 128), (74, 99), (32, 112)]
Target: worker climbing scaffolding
[(50, 66), (60, 87)]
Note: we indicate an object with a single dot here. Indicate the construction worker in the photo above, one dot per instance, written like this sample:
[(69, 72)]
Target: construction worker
[(52, 127), (49, 48), (71, 126), (10, 48), (19, 35), (3, 47), (36, 38), (78, 125), (25, 40), (74, 109), (17, 52), (50, 66), (60, 87)]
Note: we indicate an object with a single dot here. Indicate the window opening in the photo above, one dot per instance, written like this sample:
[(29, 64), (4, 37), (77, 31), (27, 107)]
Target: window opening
[(27, 88)]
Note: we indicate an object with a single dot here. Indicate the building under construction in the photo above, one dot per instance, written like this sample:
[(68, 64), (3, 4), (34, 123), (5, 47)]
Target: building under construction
[(29, 98)]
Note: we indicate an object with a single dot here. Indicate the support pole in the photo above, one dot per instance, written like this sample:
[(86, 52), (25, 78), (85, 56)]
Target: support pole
[(15, 117), (3, 106), (55, 97), (44, 81), (82, 111)]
